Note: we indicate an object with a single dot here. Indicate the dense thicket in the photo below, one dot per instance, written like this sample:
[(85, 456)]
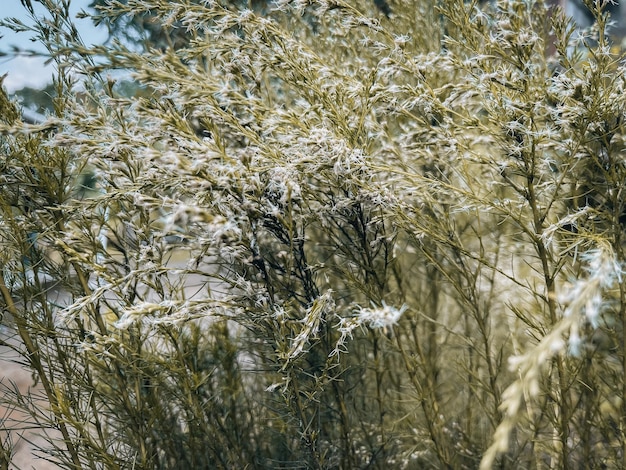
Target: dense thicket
[(324, 238)]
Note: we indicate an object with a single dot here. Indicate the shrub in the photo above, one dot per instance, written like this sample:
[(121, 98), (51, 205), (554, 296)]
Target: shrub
[(325, 238)]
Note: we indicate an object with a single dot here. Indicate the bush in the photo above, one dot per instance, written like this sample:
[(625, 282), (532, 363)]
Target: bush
[(324, 238)]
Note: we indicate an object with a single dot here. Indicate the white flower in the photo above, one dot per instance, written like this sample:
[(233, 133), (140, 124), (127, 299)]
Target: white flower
[(381, 317)]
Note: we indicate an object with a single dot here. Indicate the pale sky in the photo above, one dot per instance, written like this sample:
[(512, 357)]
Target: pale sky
[(31, 71)]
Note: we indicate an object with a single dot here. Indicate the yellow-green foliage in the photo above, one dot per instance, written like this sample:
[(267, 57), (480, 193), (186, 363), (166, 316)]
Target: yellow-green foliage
[(382, 242)]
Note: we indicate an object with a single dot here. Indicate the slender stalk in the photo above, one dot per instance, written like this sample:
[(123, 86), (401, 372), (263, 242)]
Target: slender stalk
[(35, 361)]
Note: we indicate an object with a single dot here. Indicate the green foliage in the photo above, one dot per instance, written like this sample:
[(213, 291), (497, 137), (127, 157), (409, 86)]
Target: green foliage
[(321, 238), (39, 100)]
